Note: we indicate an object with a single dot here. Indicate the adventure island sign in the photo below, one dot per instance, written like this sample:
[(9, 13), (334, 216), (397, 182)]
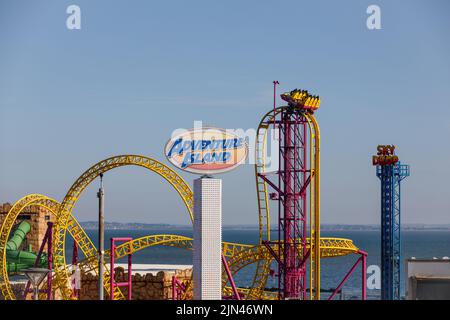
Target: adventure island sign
[(206, 151)]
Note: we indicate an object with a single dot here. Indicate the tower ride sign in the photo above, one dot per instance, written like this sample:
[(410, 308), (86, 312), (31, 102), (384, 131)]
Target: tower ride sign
[(385, 156)]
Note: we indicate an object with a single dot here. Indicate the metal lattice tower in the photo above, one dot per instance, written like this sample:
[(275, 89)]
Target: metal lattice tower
[(292, 219), (290, 184), (391, 176)]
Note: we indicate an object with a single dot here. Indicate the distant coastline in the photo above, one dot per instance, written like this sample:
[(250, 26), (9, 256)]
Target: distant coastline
[(93, 225)]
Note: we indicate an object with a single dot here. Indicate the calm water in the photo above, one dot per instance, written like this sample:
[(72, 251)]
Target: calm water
[(420, 244)]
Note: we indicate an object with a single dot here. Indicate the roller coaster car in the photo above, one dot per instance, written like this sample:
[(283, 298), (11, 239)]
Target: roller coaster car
[(301, 99)]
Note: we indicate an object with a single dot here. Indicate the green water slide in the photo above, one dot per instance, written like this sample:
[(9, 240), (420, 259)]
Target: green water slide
[(18, 260)]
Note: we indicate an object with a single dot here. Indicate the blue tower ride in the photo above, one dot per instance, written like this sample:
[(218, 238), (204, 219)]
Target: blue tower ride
[(391, 175)]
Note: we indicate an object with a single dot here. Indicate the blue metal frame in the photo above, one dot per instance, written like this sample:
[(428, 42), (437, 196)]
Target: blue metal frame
[(391, 253)]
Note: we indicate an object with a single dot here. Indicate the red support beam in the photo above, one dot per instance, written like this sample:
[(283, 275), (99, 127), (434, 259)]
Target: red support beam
[(113, 283), (230, 278), (177, 288), (47, 240), (349, 273), (363, 275), (272, 252)]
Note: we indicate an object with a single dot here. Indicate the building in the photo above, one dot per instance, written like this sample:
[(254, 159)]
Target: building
[(38, 217), (428, 279)]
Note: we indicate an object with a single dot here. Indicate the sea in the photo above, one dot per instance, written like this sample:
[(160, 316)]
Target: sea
[(418, 244)]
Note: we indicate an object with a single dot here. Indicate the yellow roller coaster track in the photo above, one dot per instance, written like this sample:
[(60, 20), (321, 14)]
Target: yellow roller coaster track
[(72, 196), (238, 255), (37, 200)]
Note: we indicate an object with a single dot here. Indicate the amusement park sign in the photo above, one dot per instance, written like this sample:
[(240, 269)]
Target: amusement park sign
[(385, 156), (206, 150)]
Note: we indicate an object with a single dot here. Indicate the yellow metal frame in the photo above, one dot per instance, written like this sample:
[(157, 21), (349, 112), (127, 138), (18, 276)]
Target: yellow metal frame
[(72, 196), (38, 200), (239, 255), (314, 208), (5, 231)]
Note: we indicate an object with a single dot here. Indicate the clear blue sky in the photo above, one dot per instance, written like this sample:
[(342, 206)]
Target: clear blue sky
[(139, 69)]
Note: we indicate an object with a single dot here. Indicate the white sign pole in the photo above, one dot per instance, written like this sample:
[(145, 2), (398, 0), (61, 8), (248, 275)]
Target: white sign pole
[(207, 253)]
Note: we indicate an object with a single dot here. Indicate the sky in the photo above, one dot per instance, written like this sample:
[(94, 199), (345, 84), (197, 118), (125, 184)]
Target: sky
[(137, 70)]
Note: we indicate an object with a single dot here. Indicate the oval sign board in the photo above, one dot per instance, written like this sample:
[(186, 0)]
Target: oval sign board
[(206, 150)]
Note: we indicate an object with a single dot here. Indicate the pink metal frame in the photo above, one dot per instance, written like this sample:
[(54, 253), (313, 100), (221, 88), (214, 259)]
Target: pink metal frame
[(75, 252), (177, 288), (74, 263), (112, 280), (230, 278), (47, 240), (274, 101), (363, 260), (292, 225), (291, 192)]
